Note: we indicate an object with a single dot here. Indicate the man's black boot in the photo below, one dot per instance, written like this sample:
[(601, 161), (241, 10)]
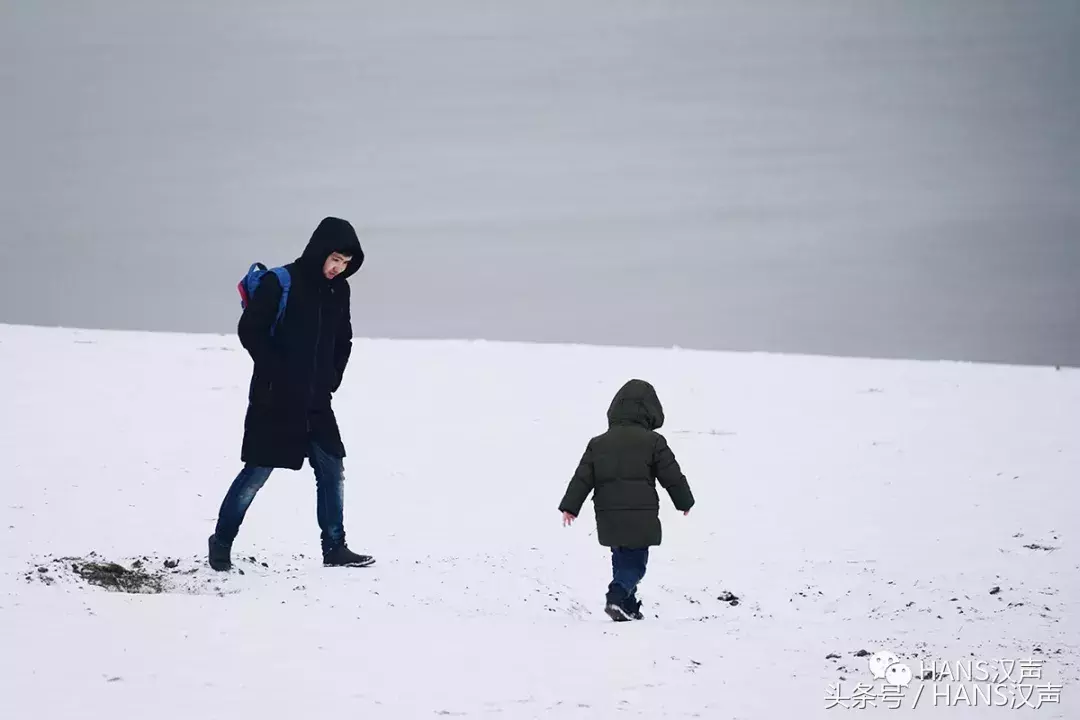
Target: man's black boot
[(220, 554), (342, 556)]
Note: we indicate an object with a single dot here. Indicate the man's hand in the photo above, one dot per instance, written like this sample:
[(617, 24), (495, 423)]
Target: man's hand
[(685, 512), (567, 519)]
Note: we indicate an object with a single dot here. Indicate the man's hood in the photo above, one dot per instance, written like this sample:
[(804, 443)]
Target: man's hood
[(636, 403), (332, 235)]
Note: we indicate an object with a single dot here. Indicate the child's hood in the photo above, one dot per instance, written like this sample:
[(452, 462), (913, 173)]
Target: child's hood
[(636, 403)]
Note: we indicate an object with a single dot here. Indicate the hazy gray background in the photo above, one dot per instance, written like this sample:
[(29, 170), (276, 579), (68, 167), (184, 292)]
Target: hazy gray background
[(867, 178)]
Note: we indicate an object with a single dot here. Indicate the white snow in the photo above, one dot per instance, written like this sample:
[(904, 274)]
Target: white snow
[(845, 502)]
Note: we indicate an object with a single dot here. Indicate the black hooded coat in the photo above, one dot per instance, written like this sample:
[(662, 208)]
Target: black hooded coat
[(299, 367), (621, 468)]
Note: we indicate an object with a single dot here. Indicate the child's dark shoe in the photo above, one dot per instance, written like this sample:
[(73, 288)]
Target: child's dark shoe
[(621, 608), (616, 612)]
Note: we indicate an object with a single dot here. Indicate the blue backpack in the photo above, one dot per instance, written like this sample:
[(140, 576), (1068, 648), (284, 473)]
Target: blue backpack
[(251, 280)]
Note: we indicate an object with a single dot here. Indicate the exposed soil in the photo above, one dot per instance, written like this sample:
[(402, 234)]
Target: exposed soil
[(140, 576), (114, 576)]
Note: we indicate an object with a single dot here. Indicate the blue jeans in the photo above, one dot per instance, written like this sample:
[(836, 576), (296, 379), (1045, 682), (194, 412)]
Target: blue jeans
[(627, 570), (329, 494)]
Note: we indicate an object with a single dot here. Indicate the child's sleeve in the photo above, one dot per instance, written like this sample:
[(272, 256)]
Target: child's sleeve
[(669, 474), (580, 484)]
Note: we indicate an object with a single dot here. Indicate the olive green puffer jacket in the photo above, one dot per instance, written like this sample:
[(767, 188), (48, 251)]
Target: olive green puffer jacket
[(621, 467)]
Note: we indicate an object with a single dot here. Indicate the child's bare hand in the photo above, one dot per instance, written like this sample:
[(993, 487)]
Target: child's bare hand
[(567, 518)]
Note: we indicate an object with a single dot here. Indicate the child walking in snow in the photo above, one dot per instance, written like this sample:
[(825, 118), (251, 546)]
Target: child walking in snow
[(621, 467)]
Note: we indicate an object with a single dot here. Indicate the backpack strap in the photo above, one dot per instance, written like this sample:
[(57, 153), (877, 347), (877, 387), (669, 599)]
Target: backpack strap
[(285, 280), (248, 282)]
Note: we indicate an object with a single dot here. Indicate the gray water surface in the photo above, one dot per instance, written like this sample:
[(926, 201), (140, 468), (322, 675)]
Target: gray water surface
[(889, 179)]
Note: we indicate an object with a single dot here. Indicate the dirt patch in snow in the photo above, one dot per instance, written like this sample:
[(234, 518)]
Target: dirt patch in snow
[(113, 576), (140, 576)]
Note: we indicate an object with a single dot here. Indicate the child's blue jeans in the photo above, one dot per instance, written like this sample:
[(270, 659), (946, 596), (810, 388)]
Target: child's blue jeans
[(627, 570)]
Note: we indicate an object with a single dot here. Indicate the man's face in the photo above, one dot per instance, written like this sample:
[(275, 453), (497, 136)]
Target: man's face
[(335, 265)]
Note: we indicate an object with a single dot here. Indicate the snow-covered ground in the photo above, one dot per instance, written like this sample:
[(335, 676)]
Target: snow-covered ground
[(848, 504)]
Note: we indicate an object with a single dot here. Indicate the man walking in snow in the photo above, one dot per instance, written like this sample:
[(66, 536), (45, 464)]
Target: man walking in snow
[(620, 467), (298, 364)]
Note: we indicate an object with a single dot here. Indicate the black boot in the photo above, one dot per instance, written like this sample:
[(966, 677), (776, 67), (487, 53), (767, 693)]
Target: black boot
[(632, 606), (614, 605), (342, 556), (220, 554)]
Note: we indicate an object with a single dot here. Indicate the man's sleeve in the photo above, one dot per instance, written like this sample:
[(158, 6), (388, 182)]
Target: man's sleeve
[(343, 342), (255, 323)]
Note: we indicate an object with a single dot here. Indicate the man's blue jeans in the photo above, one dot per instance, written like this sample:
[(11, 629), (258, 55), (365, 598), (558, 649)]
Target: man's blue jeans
[(329, 493), (627, 570)]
